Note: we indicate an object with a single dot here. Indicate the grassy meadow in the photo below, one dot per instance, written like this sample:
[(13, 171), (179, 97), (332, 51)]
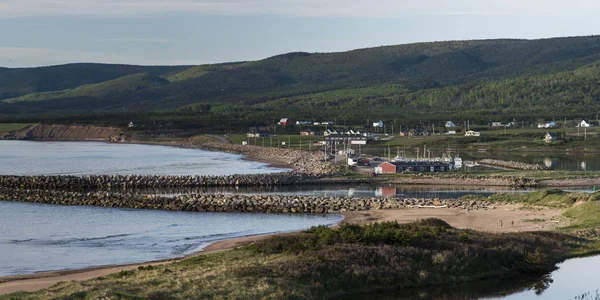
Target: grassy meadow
[(8, 127)]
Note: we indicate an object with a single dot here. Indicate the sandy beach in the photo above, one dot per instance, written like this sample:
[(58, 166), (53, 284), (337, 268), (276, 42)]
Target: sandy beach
[(508, 218)]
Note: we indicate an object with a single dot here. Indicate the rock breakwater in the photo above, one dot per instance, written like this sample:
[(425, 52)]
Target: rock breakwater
[(151, 181), (469, 180), (229, 203), (512, 164)]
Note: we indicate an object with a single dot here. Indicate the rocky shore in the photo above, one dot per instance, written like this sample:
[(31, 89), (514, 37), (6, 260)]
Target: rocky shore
[(302, 161), (230, 203), (512, 165)]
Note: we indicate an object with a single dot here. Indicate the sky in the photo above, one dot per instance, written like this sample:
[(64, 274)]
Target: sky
[(185, 32)]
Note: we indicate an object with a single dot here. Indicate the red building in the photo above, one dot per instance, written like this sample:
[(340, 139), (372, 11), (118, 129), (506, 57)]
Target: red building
[(387, 168), (285, 122)]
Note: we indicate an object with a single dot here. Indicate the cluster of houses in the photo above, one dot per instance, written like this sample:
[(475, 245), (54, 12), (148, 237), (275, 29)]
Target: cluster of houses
[(288, 121), (424, 165), (349, 137)]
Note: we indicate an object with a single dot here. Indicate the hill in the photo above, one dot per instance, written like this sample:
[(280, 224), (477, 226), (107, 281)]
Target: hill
[(21, 81), (473, 79)]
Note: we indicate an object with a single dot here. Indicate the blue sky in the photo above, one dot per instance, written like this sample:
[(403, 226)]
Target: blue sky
[(158, 32)]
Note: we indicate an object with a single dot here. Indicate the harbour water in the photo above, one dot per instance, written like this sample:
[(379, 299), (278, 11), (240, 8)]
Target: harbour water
[(36, 237), (84, 158)]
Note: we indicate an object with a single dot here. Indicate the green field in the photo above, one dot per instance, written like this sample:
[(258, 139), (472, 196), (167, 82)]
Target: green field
[(8, 127), (295, 141)]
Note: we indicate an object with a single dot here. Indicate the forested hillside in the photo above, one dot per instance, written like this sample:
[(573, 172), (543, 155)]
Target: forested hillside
[(473, 79)]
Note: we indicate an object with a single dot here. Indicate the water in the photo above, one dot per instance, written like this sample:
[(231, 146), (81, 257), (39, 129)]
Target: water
[(555, 160), (349, 190), (84, 158), (36, 237), (343, 190), (573, 278)]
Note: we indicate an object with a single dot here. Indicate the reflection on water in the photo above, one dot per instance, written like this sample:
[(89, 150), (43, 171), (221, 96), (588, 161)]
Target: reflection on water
[(348, 190), (556, 161), (574, 279)]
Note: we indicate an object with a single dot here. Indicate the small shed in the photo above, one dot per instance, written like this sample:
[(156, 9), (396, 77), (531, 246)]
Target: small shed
[(385, 168), (583, 123)]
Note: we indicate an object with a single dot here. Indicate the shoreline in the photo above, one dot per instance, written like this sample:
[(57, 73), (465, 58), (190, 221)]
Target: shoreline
[(483, 220)]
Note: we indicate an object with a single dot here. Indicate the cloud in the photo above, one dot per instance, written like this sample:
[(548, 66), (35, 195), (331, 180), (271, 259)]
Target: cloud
[(299, 8), (29, 57)]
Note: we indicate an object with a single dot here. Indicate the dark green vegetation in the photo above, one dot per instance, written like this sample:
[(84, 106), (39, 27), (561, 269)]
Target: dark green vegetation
[(414, 84), (324, 263)]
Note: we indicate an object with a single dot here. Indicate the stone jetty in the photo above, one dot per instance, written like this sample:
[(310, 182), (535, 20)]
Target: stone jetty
[(151, 181), (512, 164), (65, 182), (229, 202)]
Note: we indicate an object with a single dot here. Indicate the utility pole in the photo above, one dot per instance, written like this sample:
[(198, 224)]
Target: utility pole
[(584, 133)]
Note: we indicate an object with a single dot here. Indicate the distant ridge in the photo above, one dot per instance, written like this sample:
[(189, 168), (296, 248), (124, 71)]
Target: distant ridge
[(502, 76)]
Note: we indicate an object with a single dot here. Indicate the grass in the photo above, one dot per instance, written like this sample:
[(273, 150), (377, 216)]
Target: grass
[(199, 139), (8, 127), (584, 216), (524, 139), (325, 263), (295, 141)]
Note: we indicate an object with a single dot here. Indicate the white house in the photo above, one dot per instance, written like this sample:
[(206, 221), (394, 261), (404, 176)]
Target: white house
[(130, 124), (583, 124), (451, 132), (472, 133), (450, 124), (497, 124), (550, 137), (378, 124)]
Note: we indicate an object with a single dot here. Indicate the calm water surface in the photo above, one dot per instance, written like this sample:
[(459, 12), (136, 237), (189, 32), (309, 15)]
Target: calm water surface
[(36, 237), (83, 158)]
